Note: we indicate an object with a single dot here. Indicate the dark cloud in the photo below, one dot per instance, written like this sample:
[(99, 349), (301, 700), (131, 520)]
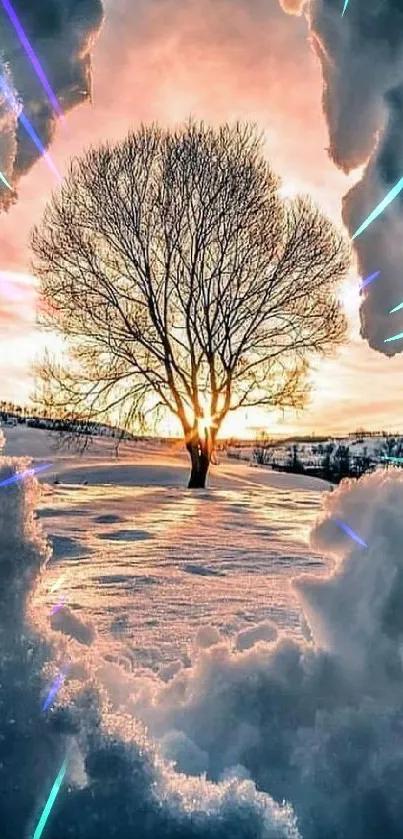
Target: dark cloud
[(362, 63), (62, 33)]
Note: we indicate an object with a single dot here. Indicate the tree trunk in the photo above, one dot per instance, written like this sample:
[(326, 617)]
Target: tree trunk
[(200, 459)]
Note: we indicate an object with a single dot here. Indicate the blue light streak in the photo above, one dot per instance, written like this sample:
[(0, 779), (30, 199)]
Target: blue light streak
[(369, 279), (394, 459), (5, 181), (52, 798), (54, 689), (345, 7), (351, 533), (391, 195), (393, 338), (35, 139), (28, 127), (21, 475), (396, 309), (31, 55)]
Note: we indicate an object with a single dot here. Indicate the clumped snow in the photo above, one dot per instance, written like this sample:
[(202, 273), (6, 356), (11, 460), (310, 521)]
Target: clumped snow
[(320, 724), (279, 679)]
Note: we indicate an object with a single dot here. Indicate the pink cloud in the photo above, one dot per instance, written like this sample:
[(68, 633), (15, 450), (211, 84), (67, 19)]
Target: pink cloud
[(217, 60)]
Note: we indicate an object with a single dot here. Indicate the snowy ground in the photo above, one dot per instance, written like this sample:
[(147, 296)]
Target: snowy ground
[(212, 680), (147, 562)]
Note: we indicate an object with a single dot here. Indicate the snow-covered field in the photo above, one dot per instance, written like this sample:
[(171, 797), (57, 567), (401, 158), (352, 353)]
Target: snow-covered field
[(147, 562), (224, 651)]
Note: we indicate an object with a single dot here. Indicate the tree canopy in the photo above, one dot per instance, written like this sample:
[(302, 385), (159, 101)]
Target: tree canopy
[(183, 282)]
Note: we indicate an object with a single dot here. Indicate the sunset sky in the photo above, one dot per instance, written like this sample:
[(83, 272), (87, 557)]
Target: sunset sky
[(220, 61)]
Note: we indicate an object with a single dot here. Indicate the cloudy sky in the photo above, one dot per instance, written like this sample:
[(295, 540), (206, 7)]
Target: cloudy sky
[(221, 60)]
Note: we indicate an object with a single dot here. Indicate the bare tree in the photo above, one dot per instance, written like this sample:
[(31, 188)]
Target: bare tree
[(184, 283), (262, 452)]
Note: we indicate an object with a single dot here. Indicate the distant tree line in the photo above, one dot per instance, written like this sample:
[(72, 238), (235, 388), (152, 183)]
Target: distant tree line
[(333, 461), (63, 425)]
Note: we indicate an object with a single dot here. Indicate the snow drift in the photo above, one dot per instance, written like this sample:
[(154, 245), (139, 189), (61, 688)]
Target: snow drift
[(318, 724)]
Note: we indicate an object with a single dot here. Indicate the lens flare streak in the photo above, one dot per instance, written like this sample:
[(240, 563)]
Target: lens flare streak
[(35, 139), (5, 181), (391, 195), (59, 606), (393, 338), (52, 798), (54, 689), (369, 280), (21, 475), (351, 533), (396, 309), (12, 291), (28, 127), (58, 583), (31, 55), (345, 7)]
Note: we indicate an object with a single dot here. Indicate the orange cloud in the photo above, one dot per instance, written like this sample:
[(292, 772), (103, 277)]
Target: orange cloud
[(292, 7)]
